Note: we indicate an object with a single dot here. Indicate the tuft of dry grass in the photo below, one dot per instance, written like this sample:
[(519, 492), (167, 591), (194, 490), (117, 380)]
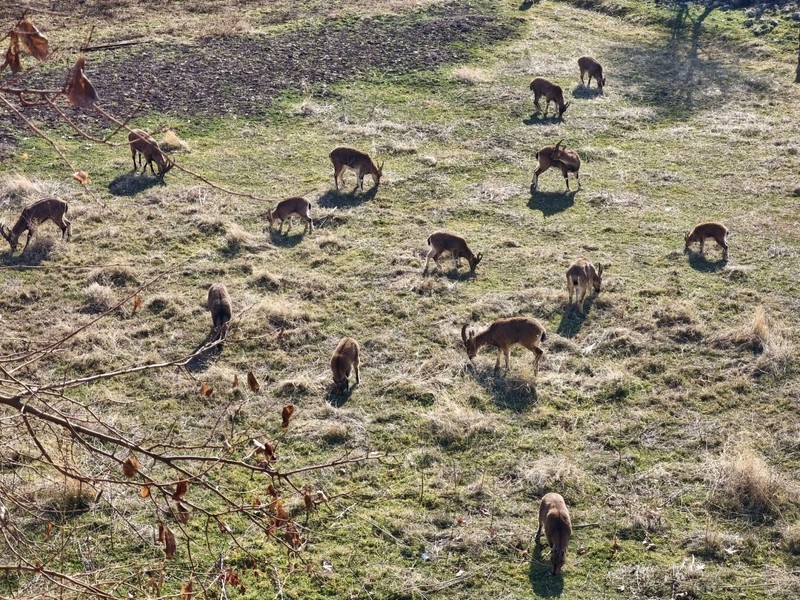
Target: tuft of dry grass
[(172, 143), (763, 337), (99, 298), (743, 484), (555, 473), (471, 76), (17, 190), (791, 539), (238, 238)]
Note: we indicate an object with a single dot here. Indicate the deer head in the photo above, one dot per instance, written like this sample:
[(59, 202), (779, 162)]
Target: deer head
[(9, 236), (562, 109), (469, 342), (474, 261)]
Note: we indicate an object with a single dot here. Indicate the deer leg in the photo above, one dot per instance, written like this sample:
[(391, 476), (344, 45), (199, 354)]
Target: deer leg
[(539, 170), (702, 242), (456, 261), (27, 240), (580, 299), (358, 378), (546, 107), (360, 184), (290, 225), (507, 352), (578, 179), (570, 291), (724, 246), (566, 177), (427, 261), (497, 363), (133, 155), (536, 102)]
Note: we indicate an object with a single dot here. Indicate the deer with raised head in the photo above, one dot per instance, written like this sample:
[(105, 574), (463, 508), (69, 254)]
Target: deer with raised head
[(551, 92), (504, 333), (357, 161), (344, 360), (582, 275), (146, 148), (289, 207), (557, 156), (219, 303), (54, 209), (442, 241), (703, 231), (590, 66), (554, 519)]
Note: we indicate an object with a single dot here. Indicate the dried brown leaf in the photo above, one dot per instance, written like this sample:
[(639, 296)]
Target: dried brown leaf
[(286, 414), (253, 382), (272, 491), (186, 591), (309, 501), (48, 530), (144, 491), (130, 467), (31, 39), (236, 380), (161, 528), (80, 91), (82, 177), (281, 514), (181, 489), (169, 543), (12, 55), (205, 389), (137, 303)]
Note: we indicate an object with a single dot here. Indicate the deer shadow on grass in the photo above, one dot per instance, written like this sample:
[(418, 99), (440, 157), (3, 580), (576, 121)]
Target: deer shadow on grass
[(572, 319), (543, 583), (36, 253), (334, 198), (551, 203), (699, 263), (453, 274), (284, 240), (526, 4), (509, 391), (586, 93), (208, 357), (337, 397), (539, 119), (130, 184)]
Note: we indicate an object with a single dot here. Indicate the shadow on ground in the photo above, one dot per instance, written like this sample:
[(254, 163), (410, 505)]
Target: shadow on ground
[(551, 203), (572, 320), (538, 119), (509, 391), (205, 359), (336, 397), (699, 263), (334, 198), (543, 583), (685, 75), (585, 93), (130, 184)]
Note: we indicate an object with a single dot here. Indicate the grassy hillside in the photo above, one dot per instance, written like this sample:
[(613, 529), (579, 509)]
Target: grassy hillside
[(667, 417)]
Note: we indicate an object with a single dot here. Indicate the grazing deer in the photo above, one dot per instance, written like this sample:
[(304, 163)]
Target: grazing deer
[(289, 207), (556, 156), (441, 242), (219, 303), (551, 92), (32, 215), (704, 231), (504, 333), (555, 520), (589, 65), (146, 148), (580, 275), (344, 358), (357, 161)]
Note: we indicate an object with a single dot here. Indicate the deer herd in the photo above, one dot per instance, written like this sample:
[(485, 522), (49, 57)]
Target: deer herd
[(581, 276)]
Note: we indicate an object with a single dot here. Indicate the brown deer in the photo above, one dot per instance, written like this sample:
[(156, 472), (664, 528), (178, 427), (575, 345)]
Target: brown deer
[(580, 276), (556, 156), (594, 69), (555, 520), (219, 303), (504, 333), (146, 148), (704, 231), (357, 161), (289, 207), (551, 92), (32, 215), (345, 358), (441, 242)]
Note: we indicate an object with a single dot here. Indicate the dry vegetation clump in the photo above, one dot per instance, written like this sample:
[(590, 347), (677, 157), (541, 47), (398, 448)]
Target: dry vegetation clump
[(99, 298), (454, 426), (762, 337), (555, 474), (310, 108), (713, 544), (297, 387), (741, 483), (471, 76), (791, 539), (614, 341), (16, 191), (266, 280), (172, 143), (237, 239), (118, 276)]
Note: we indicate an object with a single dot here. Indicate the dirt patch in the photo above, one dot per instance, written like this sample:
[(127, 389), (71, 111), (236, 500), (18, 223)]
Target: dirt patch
[(243, 74)]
